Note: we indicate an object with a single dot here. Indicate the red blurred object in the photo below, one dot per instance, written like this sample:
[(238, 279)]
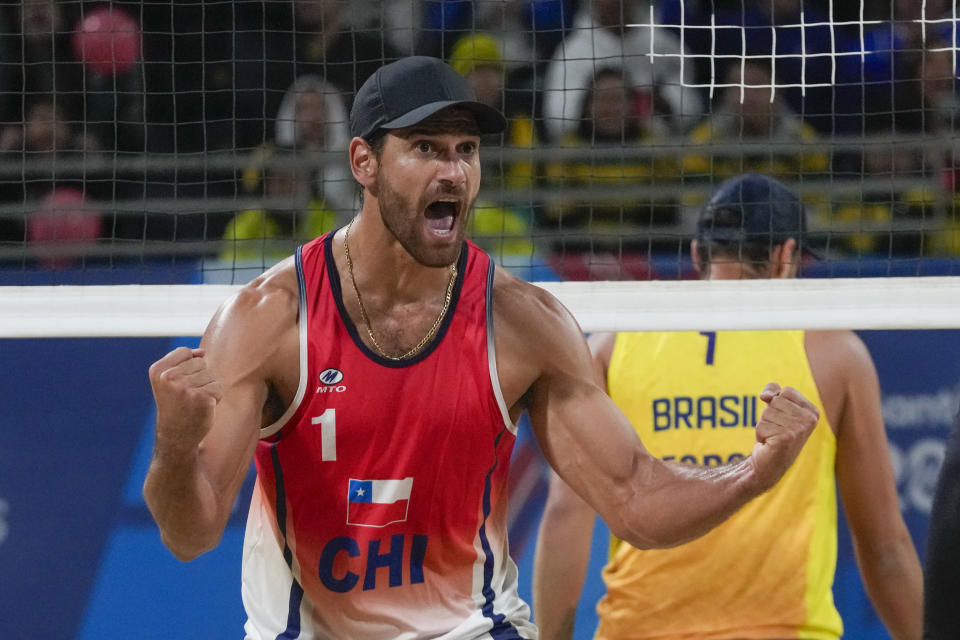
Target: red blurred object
[(950, 178), (602, 266), (107, 40), (62, 219)]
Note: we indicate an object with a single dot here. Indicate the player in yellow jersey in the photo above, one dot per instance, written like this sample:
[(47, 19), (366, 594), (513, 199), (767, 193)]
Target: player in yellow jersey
[(768, 571)]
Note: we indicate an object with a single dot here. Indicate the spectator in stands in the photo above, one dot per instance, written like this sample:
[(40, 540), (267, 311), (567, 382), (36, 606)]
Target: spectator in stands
[(898, 195), (942, 116), (45, 131), (479, 58), (746, 113), (829, 74), (894, 52), (291, 213), (608, 33), (312, 119), (40, 62), (58, 201), (825, 89), (303, 192), (45, 135), (45, 62), (705, 27), (503, 232), (939, 118), (941, 104), (883, 217), (324, 42), (530, 29), (610, 118)]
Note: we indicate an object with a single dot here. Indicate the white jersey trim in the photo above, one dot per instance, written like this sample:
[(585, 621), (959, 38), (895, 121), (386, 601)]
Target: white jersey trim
[(302, 323), (492, 355)]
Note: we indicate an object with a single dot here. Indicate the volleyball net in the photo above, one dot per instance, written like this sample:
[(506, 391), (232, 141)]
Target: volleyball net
[(154, 158)]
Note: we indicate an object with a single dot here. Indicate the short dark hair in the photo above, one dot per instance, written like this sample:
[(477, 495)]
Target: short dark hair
[(755, 253), (377, 142)]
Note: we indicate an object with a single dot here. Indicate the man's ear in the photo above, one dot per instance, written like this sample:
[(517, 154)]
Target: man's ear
[(784, 259), (363, 163)]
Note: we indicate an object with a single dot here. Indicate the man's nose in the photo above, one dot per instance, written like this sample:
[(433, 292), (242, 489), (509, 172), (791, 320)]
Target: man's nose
[(452, 170)]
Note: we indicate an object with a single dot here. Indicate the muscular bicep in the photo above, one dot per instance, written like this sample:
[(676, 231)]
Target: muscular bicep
[(588, 440), (585, 437), (242, 344)]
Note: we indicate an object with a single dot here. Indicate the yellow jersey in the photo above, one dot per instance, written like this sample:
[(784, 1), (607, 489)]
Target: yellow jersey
[(767, 572)]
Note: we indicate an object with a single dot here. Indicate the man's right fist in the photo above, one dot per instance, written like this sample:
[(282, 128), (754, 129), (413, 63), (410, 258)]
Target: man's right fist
[(186, 391), (784, 426)]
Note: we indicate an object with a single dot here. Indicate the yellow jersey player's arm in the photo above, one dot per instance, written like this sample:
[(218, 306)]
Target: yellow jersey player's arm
[(211, 404), (564, 540), (561, 560), (592, 446), (885, 553)]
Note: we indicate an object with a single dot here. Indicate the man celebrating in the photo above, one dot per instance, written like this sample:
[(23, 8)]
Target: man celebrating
[(376, 378)]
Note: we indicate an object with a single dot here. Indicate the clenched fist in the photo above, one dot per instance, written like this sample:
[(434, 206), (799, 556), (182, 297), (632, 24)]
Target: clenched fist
[(186, 391), (784, 426)]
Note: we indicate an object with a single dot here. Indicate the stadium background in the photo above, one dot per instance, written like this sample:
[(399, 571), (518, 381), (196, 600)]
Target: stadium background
[(162, 145)]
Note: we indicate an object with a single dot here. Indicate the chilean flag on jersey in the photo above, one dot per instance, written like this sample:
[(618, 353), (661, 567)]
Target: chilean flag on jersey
[(377, 503)]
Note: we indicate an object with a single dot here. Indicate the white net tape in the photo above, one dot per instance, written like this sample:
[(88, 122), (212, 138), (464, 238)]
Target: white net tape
[(836, 303)]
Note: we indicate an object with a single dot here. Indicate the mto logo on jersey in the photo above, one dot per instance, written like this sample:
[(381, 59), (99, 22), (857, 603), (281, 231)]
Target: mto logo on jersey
[(330, 377), (377, 503), (330, 380)]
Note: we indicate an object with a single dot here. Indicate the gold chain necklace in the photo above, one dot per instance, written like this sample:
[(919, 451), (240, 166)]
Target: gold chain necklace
[(366, 319)]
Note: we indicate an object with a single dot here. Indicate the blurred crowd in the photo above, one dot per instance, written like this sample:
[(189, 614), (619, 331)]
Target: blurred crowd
[(640, 106)]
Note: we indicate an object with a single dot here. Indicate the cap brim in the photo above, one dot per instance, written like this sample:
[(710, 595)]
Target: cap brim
[(489, 120)]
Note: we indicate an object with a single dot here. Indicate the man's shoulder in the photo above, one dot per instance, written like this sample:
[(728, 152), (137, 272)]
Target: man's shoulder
[(271, 297), (257, 323), (531, 315), (515, 295), (839, 351), (537, 338), (833, 339)]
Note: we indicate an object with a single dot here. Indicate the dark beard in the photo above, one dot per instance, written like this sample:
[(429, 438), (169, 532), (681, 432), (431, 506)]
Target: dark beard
[(402, 219)]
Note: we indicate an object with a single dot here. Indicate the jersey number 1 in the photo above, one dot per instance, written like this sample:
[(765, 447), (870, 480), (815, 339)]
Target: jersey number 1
[(328, 434), (711, 337)]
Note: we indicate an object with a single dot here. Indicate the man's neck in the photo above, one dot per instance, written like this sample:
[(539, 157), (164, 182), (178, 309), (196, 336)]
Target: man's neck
[(382, 265)]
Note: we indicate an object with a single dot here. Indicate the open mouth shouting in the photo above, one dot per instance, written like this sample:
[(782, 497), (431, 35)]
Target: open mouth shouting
[(442, 214)]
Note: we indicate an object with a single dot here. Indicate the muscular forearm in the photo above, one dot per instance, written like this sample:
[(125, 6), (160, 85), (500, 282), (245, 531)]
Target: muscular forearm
[(183, 502), (894, 582), (650, 503), (675, 503), (560, 564)]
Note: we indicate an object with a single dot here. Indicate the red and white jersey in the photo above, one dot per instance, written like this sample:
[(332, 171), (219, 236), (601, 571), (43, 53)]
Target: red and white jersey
[(380, 504)]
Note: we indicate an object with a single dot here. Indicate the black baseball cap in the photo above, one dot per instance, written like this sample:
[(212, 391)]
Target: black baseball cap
[(405, 92), (753, 209)]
